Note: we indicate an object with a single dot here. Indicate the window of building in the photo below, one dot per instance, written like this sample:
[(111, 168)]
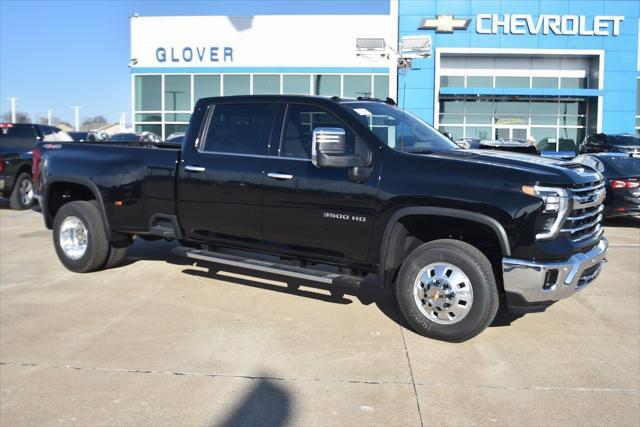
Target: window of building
[(381, 86), (177, 93), (296, 84), (544, 82), (155, 128), (573, 82), (148, 92), (182, 91), (451, 81), (266, 84), (479, 81), (239, 128), (512, 82), (327, 85), (557, 124), (355, 86), (638, 107), (206, 86), (236, 84)]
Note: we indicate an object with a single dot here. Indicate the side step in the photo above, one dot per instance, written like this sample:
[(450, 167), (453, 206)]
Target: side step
[(342, 280)]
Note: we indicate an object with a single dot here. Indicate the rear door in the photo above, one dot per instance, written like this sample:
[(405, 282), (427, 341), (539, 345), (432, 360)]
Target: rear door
[(221, 177), (319, 213)]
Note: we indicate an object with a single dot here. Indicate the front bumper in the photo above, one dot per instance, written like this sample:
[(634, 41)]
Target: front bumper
[(531, 283)]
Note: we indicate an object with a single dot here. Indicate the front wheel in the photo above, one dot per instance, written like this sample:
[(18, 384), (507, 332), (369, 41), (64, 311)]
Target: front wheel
[(446, 290), (80, 238)]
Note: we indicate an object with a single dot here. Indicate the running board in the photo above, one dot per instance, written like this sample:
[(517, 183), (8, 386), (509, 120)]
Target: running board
[(342, 280)]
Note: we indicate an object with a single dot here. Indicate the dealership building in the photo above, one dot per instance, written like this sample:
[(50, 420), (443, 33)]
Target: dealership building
[(554, 71)]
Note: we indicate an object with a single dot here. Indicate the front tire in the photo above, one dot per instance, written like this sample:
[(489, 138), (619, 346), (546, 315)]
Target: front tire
[(22, 195), (80, 238), (446, 290)]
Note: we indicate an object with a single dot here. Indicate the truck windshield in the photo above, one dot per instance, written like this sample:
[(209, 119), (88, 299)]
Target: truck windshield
[(400, 129)]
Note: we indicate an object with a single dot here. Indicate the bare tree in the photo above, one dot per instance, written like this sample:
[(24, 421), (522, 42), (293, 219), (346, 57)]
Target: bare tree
[(21, 117), (90, 123)]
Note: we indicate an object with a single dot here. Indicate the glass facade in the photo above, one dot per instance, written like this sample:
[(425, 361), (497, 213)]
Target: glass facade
[(163, 102), (520, 82), (557, 124)]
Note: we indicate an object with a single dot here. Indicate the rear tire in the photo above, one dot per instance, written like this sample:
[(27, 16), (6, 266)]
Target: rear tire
[(79, 237), (117, 253), (446, 290), (22, 195)]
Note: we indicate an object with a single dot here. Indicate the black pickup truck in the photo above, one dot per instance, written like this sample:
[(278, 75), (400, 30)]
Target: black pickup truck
[(354, 184), (17, 141)]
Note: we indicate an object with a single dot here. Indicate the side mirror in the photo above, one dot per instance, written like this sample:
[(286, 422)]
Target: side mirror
[(328, 149)]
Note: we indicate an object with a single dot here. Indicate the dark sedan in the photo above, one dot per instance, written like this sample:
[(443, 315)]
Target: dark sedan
[(610, 143), (622, 174)]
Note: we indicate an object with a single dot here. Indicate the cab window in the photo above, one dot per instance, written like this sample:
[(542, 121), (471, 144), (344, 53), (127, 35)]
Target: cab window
[(300, 121), (239, 128)]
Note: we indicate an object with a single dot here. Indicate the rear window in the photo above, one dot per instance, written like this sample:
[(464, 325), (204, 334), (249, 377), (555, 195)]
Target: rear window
[(623, 166), (23, 136), (53, 134), (623, 140)]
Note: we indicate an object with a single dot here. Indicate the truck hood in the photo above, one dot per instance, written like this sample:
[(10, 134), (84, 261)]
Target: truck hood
[(545, 170)]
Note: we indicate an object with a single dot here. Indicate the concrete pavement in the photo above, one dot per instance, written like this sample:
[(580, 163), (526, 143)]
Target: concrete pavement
[(162, 342)]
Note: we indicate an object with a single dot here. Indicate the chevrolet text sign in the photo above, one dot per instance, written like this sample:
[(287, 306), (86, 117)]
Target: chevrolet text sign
[(566, 25)]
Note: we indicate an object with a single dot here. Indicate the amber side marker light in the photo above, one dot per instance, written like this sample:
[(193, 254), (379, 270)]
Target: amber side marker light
[(118, 203), (529, 189)]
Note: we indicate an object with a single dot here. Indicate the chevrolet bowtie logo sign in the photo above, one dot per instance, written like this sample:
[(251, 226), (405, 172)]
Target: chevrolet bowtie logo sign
[(444, 24)]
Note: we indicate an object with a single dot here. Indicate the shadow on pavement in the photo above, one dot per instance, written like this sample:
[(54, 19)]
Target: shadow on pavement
[(622, 222), (370, 293), (267, 404)]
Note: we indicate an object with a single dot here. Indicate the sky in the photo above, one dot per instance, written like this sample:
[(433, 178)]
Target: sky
[(57, 54)]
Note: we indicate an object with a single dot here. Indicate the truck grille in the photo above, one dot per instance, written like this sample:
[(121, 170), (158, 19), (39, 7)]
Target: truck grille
[(584, 220)]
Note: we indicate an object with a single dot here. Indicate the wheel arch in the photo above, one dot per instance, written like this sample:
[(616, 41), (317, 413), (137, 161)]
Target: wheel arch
[(394, 237), (84, 189)]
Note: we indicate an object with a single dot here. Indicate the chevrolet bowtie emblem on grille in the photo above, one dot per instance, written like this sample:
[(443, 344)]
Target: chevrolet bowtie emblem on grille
[(444, 24)]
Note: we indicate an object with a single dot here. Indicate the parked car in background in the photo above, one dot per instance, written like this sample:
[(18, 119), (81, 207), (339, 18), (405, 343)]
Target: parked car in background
[(175, 137), (89, 136), (610, 143), (513, 145), (17, 141), (622, 174), (135, 137)]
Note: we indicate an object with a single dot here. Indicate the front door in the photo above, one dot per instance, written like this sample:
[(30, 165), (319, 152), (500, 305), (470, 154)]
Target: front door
[(311, 212), (220, 181), (511, 132)]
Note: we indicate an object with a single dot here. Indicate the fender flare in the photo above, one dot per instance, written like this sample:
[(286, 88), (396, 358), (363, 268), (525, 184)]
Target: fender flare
[(494, 225), (79, 181)]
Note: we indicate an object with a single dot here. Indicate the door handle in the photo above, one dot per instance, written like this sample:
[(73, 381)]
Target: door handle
[(195, 168), (276, 175)]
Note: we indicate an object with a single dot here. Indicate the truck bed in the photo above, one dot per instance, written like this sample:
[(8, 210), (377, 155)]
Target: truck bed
[(135, 180)]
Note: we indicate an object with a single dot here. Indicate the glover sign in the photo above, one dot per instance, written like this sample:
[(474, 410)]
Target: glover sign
[(565, 25)]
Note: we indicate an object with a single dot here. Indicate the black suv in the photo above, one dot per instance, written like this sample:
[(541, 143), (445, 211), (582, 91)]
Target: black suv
[(17, 141), (610, 143)]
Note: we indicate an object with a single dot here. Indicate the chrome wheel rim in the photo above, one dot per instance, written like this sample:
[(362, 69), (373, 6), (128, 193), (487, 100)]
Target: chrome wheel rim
[(443, 293), (73, 238), (26, 192)]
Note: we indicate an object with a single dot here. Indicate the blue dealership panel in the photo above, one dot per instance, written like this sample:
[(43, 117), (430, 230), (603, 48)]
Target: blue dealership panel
[(597, 38)]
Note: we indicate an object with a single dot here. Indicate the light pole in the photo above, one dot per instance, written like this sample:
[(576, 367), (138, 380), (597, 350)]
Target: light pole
[(49, 114), (122, 121), (77, 109), (13, 108)]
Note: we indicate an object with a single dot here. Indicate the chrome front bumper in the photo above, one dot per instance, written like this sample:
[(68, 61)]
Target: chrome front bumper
[(542, 282)]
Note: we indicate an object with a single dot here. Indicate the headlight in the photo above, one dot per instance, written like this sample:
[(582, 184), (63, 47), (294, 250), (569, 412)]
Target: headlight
[(556, 207)]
